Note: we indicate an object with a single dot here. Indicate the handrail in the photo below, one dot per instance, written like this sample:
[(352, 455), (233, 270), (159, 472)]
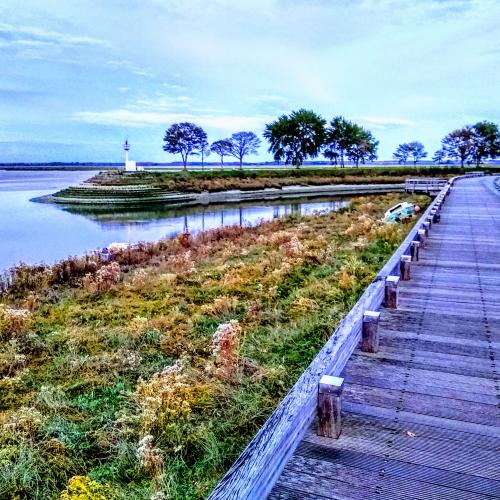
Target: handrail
[(258, 467), (424, 184)]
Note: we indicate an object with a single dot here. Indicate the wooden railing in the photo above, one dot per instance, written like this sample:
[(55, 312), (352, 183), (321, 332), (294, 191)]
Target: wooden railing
[(420, 185), (257, 469)]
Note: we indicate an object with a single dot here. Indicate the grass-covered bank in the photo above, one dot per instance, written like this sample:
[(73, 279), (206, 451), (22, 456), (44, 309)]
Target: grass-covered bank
[(222, 180), (149, 374)]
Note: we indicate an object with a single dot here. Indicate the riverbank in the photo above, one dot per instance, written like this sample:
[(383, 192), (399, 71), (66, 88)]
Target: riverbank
[(202, 188), (88, 194), (151, 371)]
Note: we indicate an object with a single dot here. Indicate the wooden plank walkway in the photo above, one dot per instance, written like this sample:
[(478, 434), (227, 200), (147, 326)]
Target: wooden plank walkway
[(421, 417)]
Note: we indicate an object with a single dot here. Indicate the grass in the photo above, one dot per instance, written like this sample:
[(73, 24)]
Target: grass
[(146, 377)]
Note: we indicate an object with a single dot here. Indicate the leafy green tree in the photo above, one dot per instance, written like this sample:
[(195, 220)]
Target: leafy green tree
[(402, 153), (344, 138), (362, 146), (204, 151), (459, 144), (486, 141), (439, 156), (296, 137), (222, 147), (338, 138), (184, 138), (277, 134), (243, 144), (417, 151)]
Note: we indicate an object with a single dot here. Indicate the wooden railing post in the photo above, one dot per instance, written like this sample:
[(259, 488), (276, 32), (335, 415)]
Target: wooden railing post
[(404, 267), (391, 292), (436, 217), (421, 235), (414, 250), (427, 227), (369, 331), (329, 406)]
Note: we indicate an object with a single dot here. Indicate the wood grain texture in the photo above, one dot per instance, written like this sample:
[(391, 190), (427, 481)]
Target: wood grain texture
[(369, 334)]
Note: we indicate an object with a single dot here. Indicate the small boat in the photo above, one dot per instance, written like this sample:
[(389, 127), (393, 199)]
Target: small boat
[(401, 211)]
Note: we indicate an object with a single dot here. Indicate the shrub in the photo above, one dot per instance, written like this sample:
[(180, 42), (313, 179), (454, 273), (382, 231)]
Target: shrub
[(103, 279), (150, 457), (84, 488), (165, 397), (13, 322), (225, 344)]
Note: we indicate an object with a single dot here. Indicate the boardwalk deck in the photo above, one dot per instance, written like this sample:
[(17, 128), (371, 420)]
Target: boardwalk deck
[(421, 416)]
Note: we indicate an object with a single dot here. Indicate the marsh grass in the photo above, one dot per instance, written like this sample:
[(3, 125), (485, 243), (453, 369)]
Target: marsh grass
[(145, 376)]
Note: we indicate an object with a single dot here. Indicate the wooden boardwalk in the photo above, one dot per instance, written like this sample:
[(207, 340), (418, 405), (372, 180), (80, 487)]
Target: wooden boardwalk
[(421, 416)]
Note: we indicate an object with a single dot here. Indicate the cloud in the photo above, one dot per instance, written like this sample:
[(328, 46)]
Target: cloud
[(32, 43), (33, 36), (130, 67), (270, 98), (174, 87), (127, 117), (383, 122)]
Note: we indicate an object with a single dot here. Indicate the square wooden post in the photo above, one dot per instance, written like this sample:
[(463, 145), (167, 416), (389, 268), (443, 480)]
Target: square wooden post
[(421, 236), (330, 406), (414, 250), (391, 292), (427, 227), (369, 331), (404, 267)]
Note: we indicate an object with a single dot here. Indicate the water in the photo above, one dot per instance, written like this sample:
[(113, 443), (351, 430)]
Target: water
[(35, 232)]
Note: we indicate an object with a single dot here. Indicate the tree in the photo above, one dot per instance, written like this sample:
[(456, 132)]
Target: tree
[(348, 139), (486, 141), (184, 138), (222, 148), (363, 146), (459, 145), (439, 156), (277, 134), (296, 137), (417, 151), (204, 151), (337, 139), (401, 154), (242, 144)]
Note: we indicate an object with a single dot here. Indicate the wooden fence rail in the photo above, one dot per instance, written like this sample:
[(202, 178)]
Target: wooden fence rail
[(256, 470), (424, 185)]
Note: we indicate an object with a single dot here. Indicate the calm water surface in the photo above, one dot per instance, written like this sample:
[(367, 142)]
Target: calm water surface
[(35, 232)]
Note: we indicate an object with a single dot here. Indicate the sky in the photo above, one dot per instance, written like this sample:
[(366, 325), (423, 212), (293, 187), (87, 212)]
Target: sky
[(80, 76)]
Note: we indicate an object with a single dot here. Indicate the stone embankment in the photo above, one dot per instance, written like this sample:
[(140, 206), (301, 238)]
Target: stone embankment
[(92, 194)]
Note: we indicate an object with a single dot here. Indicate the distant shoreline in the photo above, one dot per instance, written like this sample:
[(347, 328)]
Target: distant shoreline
[(177, 166)]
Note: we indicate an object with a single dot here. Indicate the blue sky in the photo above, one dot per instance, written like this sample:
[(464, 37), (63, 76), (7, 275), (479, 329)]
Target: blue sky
[(79, 76)]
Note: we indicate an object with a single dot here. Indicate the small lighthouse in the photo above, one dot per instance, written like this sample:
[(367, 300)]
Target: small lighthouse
[(130, 166), (126, 147)]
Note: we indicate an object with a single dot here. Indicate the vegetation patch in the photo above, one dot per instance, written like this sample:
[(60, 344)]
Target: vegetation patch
[(223, 180), (144, 376)]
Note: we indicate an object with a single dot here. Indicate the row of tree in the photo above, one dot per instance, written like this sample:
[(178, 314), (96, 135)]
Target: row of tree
[(190, 139), (470, 144), (304, 134)]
